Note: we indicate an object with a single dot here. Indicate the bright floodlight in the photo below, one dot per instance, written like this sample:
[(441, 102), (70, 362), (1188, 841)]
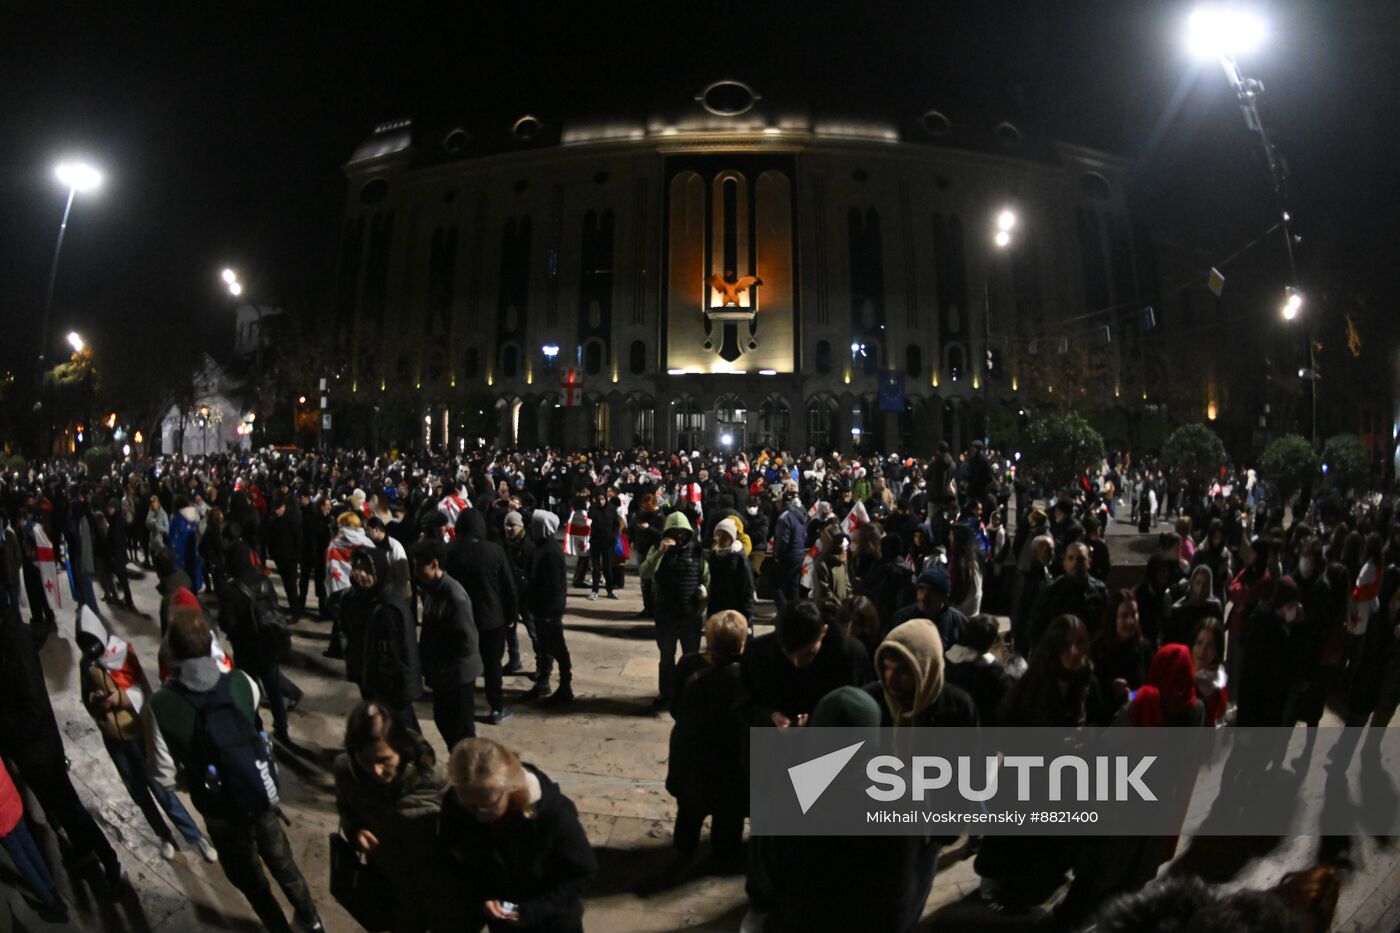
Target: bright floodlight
[(550, 350), (855, 347), (1292, 303), (75, 341), (235, 289), (78, 176), (1215, 32), (1006, 219), (1002, 239), (229, 276), (726, 439)]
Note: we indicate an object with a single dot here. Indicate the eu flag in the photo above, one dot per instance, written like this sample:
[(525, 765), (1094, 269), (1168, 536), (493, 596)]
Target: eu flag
[(892, 390)]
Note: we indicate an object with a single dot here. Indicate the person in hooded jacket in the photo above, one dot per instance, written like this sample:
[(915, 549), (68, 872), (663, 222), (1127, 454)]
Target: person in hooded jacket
[(546, 597), (447, 644), (520, 550), (680, 577), (516, 841), (117, 547), (484, 571), (184, 541), (975, 668), (731, 574), (284, 530), (254, 651), (1188, 611), (911, 689), (381, 654), (388, 794)]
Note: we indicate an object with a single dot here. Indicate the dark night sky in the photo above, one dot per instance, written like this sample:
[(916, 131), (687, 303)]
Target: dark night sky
[(223, 127)]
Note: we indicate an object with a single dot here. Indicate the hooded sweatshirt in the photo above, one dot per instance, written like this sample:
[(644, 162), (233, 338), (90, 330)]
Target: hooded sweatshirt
[(678, 573), (170, 733), (916, 642), (546, 593), (1188, 611)]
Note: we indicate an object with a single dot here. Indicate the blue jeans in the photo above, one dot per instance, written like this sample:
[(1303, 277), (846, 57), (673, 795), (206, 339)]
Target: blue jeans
[(30, 862), (130, 760)]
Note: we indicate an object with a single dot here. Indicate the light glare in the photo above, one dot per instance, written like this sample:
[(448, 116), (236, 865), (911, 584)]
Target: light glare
[(229, 276), (75, 341), (1002, 239), (78, 176), (235, 289), (1214, 32)]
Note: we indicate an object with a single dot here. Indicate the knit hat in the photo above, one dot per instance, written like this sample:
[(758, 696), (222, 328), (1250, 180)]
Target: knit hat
[(936, 578), (514, 518), (846, 706), (729, 527)]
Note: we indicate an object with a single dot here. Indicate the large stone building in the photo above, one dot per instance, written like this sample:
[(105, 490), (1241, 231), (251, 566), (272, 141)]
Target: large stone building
[(732, 271)]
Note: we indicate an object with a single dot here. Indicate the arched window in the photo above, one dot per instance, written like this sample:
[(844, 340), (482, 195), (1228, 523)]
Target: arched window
[(510, 361), (913, 360), (638, 357), (818, 424), (593, 357), (823, 357), (773, 418)]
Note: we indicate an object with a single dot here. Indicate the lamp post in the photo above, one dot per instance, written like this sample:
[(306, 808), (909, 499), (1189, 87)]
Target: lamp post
[(76, 176), (234, 286), (1006, 221), (1222, 34)]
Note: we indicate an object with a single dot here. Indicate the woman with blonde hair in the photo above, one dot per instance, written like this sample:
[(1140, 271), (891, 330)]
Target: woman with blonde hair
[(516, 841)]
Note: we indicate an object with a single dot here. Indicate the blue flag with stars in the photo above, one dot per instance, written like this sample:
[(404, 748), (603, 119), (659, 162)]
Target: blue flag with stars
[(892, 390)]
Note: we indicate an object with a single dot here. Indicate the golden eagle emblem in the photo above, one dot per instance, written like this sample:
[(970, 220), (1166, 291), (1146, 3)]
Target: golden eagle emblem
[(730, 291)]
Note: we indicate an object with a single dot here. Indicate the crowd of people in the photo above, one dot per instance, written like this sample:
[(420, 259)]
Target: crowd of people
[(887, 577)]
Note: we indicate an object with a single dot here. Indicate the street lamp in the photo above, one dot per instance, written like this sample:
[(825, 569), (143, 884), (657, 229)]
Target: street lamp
[(76, 177), (1005, 221), (1292, 303), (75, 341)]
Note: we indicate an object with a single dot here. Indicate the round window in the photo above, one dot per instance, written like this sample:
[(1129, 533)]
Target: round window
[(728, 98), (374, 191), (456, 141), (526, 128), (935, 123), (1008, 135)]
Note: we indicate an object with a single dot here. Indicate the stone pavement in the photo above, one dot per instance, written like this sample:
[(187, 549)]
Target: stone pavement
[(607, 751)]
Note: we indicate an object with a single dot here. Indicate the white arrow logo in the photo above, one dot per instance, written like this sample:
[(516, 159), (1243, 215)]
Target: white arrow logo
[(811, 778)]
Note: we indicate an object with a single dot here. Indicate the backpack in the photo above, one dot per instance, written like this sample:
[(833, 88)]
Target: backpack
[(231, 772), (265, 623)]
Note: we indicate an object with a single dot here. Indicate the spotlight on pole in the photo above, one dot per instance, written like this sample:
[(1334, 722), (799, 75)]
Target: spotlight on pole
[(726, 439), (1218, 32), (1292, 303), (550, 350), (229, 276), (1002, 239), (1006, 220), (75, 341)]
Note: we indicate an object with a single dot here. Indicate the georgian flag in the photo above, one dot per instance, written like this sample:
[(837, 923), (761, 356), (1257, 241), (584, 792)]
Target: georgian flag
[(690, 493), (47, 559), (809, 566), (1364, 599), (452, 506), (347, 540), (119, 660), (856, 519), (576, 533)]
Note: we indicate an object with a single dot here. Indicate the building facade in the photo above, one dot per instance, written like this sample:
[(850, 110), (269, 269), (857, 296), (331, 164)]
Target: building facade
[(727, 274)]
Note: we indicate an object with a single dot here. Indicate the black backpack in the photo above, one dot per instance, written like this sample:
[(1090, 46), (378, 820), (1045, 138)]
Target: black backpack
[(232, 772), (264, 621)]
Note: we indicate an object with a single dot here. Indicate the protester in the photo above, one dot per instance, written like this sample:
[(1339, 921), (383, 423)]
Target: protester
[(515, 841), (448, 644)]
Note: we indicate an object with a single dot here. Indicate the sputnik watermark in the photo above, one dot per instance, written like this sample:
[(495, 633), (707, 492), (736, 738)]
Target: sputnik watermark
[(1111, 781)]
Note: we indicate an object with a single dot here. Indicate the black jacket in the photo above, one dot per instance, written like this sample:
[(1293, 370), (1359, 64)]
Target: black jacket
[(773, 685), (284, 538), (951, 623), (604, 527), (706, 761), (539, 860), (1084, 599), (28, 731), (731, 583), (484, 571), (1269, 669), (548, 579), (382, 646), (986, 682), (448, 645)]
